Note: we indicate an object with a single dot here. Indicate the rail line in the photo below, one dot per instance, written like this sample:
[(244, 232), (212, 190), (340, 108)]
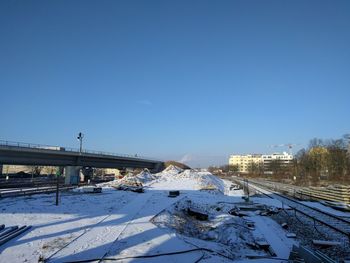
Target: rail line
[(334, 222), (32, 191)]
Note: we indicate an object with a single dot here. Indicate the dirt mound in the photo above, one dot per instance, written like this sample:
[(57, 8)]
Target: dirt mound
[(177, 164)]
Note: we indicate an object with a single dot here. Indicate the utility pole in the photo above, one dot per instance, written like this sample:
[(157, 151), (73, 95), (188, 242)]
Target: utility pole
[(80, 138), (58, 175)]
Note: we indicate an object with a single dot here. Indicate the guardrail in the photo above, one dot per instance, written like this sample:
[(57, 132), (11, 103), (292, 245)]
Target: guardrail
[(68, 149)]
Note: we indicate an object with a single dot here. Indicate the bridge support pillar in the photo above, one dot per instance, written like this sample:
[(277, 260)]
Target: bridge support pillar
[(72, 175), (81, 176), (1, 166)]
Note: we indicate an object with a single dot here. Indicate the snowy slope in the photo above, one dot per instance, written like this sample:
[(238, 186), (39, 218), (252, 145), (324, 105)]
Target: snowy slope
[(176, 178)]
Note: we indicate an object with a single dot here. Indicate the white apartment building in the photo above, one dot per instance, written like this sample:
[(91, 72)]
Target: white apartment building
[(284, 159), (243, 162)]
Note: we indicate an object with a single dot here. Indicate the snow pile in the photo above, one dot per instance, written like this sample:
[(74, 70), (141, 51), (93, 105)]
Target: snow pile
[(132, 180), (190, 179), (172, 177), (128, 179), (205, 180), (145, 176), (108, 184), (170, 171)]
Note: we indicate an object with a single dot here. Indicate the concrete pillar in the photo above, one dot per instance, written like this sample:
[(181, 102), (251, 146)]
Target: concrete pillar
[(81, 176), (86, 173), (1, 166), (71, 174)]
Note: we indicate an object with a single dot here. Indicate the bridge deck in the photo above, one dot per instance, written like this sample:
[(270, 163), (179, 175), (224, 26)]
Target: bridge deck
[(29, 154)]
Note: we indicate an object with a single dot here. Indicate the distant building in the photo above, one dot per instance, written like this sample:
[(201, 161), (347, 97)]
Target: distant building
[(244, 162), (13, 169), (281, 160), (112, 171)]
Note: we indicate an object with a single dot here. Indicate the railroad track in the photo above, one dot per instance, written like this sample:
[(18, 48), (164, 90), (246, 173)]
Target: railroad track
[(31, 191), (337, 223)]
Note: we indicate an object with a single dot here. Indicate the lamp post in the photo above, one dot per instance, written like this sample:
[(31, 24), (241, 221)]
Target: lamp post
[(80, 138)]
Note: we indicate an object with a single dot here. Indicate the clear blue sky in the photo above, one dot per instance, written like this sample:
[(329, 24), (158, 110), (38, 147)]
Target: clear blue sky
[(174, 79)]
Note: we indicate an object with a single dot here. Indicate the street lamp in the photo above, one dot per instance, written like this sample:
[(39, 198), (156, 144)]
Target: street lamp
[(80, 138)]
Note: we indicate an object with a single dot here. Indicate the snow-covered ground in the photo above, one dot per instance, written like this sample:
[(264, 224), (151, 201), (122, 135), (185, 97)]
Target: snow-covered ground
[(125, 225)]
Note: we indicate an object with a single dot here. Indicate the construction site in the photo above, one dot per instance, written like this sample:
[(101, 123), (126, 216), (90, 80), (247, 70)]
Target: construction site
[(174, 215)]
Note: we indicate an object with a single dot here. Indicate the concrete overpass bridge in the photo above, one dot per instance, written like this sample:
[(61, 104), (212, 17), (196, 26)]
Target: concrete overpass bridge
[(15, 153)]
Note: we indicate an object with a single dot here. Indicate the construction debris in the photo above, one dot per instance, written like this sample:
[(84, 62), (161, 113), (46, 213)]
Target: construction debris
[(246, 208), (88, 189), (7, 231), (284, 225), (198, 215), (250, 224), (325, 243), (235, 187), (11, 232), (263, 244), (129, 183), (136, 189), (303, 254), (291, 235), (251, 207), (174, 193)]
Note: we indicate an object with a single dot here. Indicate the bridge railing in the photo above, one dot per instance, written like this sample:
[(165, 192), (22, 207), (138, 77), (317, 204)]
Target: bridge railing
[(68, 149)]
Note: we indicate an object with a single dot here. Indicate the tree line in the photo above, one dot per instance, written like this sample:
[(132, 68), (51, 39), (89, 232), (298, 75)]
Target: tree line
[(324, 159)]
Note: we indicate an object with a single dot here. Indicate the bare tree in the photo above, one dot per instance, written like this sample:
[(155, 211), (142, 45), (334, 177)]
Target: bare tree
[(315, 142), (234, 168), (256, 168)]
